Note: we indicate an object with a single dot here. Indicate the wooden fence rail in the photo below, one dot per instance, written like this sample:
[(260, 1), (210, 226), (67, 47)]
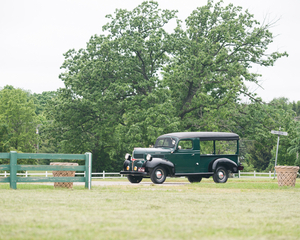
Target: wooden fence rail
[(13, 167)]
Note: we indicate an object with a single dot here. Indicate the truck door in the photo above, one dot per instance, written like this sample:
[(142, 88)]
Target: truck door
[(185, 157)]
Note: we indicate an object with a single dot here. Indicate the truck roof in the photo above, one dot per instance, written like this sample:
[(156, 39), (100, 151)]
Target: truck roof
[(203, 136)]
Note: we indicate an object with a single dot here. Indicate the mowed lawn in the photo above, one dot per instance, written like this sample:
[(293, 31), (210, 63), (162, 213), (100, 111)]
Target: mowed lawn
[(239, 209)]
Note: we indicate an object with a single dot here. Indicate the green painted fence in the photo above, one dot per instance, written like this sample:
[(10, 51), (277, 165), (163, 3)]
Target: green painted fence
[(13, 167)]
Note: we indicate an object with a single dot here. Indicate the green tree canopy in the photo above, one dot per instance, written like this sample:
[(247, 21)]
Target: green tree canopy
[(138, 80), (18, 120), (254, 121), (111, 82), (41, 100), (213, 61)]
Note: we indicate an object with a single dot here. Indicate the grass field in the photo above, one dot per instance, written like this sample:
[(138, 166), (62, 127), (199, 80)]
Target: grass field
[(239, 209)]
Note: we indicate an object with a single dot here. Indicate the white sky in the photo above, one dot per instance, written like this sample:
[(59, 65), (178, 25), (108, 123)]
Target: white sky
[(35, 34)]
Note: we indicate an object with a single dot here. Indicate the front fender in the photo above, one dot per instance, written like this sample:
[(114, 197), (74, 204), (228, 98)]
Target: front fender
[(125, 164), (229, 164), (159, 161)]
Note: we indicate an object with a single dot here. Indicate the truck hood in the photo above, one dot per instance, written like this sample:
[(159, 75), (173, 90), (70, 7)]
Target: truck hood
[(152, 150)]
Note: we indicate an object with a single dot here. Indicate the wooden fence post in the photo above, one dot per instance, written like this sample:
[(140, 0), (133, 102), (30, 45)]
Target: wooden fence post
[(13, 167), (13, 170)]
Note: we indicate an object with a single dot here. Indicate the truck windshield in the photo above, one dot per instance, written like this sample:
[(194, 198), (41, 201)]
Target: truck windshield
[(165, 142)]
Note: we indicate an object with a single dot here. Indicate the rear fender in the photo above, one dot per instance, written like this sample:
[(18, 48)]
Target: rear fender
[(229, 164)]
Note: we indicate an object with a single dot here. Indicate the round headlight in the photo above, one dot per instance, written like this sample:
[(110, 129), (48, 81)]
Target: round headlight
[(148, 157), (127, 156)]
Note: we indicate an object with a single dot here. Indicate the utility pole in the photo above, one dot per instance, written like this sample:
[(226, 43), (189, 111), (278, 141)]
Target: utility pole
[(37, 137), (278, 134)]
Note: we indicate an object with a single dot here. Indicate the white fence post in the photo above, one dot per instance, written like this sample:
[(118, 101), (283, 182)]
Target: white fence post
[(103, 174), (90, 171)]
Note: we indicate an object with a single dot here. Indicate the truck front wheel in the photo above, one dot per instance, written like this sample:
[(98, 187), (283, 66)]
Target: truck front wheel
[(158, 175), (194, 178), (134, 179)]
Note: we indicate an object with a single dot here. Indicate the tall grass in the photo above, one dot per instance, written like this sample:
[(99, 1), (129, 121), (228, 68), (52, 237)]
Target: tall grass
[(239, 209)]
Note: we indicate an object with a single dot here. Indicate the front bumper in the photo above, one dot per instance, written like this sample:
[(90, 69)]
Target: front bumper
[(134, 173)]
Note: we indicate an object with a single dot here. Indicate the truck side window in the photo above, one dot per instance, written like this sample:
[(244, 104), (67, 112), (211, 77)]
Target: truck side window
[(226, 147), (185, 144), (206, 147)]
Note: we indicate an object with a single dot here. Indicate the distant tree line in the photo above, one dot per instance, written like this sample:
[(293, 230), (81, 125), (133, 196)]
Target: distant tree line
[(137, 81)]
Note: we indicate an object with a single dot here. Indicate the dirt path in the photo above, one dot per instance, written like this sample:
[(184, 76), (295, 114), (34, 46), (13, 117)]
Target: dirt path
[(124, 183)]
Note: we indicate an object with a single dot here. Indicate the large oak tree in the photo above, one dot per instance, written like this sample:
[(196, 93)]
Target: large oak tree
[(138, 80)]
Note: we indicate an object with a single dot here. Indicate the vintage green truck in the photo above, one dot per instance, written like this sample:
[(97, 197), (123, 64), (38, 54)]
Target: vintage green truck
[(191, 154)]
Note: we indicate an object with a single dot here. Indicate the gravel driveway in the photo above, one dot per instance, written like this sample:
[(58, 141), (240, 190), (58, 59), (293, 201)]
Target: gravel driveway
[(117, 183), (126, 183)]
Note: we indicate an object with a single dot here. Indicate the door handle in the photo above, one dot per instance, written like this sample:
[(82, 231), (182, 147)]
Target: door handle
[(197, 164), (193, 154)]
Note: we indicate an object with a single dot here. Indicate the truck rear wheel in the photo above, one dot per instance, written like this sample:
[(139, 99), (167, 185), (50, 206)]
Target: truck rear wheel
[(221, 175)]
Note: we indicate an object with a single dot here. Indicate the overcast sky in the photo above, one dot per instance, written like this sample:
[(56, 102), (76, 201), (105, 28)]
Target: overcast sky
[(35, 34)]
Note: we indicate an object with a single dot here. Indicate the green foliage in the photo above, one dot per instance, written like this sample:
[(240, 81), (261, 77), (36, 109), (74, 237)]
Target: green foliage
[(296, 107), (255, 122), (139, 81), (41, 100), (212, 62), (18, 122), (110, 96), (248, 167), (4, 137), (294, 148), (259, 157), (46, 143)]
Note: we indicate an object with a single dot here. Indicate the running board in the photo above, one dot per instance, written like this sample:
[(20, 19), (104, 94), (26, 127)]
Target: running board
[(200, 173)]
